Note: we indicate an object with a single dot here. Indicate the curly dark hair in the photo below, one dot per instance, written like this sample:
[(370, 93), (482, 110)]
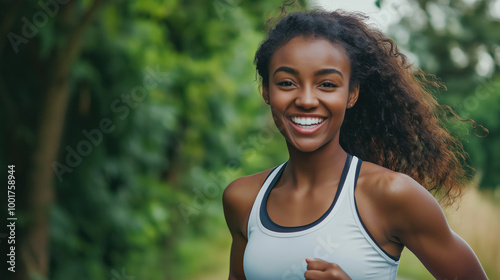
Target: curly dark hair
[(396, 122)]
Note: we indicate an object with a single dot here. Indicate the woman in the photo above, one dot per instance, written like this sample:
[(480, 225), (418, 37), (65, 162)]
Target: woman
[(365, 149)]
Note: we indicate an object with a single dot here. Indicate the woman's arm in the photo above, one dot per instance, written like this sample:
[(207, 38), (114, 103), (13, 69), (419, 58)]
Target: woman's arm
[(238, 199), (232, 213), (418, 221)]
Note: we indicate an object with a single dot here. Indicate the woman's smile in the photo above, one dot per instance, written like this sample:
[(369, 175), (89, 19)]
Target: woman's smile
[(306, 124)]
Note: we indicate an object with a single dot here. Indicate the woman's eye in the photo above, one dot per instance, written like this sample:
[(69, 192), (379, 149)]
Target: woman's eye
[(285, 84), (329, 85)]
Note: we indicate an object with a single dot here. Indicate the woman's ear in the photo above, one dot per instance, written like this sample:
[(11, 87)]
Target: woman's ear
[(265, 93), (353, 96)]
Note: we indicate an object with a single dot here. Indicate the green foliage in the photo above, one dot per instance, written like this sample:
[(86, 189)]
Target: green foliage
[(459, 44), (410, 267), (164, 112)]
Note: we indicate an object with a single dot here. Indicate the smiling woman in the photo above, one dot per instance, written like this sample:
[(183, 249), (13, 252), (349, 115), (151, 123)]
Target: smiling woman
[(309, 72), (365, 149)]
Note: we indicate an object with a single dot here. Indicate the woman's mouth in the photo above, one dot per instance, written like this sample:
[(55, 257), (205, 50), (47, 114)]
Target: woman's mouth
[(307, 125)]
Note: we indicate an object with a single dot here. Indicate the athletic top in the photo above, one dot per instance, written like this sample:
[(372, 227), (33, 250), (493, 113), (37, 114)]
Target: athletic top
[(339, 236)]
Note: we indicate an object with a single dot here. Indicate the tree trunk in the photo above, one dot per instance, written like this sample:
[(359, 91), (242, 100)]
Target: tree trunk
[(34, 248)]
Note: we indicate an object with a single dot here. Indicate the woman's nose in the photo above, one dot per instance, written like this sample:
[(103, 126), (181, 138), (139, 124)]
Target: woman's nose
[(306, 98)]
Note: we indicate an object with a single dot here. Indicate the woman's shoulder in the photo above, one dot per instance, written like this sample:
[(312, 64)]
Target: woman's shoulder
[(246, 187), (388, 185), (395, 195), (238, 199)]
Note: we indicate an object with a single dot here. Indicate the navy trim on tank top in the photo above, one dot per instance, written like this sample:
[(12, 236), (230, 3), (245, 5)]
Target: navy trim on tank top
[(358, 168), (270, 225)]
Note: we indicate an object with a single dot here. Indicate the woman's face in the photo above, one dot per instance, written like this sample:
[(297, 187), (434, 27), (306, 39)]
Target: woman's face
[(309, 91)]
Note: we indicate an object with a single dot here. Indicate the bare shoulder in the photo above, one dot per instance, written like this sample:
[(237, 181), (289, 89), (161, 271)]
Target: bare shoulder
[(404, 203), (238, 198), (244, 189), (394, 189)]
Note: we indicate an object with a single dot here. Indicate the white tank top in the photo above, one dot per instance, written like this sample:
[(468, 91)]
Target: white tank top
[(276, 252)]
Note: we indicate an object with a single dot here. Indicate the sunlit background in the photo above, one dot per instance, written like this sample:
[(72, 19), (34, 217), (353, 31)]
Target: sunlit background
[(126, 120)]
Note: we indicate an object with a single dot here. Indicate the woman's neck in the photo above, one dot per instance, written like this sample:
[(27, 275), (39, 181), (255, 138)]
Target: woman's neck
[(305, 170)]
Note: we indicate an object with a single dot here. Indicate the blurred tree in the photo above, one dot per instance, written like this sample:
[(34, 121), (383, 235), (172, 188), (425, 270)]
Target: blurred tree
[(459, 42), (34, 137), (142, 112)]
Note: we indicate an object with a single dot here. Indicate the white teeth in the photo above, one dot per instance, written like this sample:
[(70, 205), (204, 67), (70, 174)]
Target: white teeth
[(307, 121)]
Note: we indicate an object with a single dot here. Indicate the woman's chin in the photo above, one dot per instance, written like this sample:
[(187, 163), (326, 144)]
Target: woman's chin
[(305, 146)]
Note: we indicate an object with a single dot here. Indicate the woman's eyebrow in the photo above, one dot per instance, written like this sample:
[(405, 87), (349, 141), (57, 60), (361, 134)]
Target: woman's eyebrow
[(286, 69), (320, 72), (326, 71)]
